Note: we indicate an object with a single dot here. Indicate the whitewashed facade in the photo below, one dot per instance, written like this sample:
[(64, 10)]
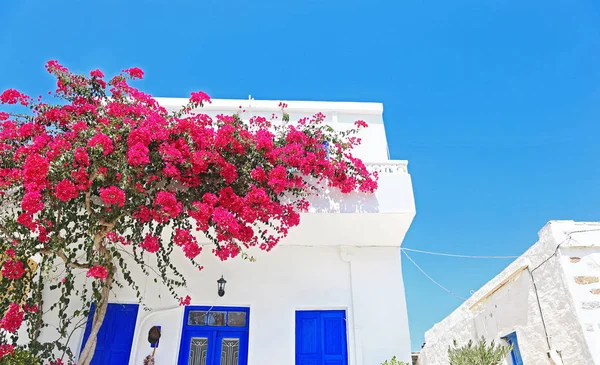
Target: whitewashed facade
[(549, 297), (344, 256)]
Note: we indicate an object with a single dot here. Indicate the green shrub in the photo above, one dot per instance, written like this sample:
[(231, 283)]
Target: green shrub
[(478, 354), (20, 357), (394, 361)]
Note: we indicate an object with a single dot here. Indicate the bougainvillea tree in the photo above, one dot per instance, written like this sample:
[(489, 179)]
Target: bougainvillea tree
[(102, 171)]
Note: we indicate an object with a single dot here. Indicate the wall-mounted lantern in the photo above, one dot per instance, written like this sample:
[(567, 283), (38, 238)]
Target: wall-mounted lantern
[(221, 286)]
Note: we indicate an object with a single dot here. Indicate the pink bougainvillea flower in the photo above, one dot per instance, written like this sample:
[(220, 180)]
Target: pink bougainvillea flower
[(150, 243), (199, 97), (30, 308), (13, 318), (35, 169), (98, 272), (66, 190), (13, 269), (103, 140), (138, 155), (361, 124), (134, 72), (185, 301), (12, 96), (96, 73), (6, 349), (112, 195), (167, 203), (32, 202)]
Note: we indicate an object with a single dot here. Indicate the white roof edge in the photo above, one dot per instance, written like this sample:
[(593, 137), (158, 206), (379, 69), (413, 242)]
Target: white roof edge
[(273, 105)]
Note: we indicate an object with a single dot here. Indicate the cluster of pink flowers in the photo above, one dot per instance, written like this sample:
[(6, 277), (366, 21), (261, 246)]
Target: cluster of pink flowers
[(113, 237), (98, 272), (135, 72), (150, 243), (66, 190), (184, 239), (112, 195), (104, 141), (185, 301), (12, 96), (6, 349), (30, 308), (167, 203), (13, 318), (13, 269)]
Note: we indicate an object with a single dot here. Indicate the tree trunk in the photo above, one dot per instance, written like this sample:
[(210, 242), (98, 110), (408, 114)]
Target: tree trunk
[(87, 354)]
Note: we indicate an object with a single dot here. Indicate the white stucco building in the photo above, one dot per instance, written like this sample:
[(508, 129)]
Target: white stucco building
[(547, 303), (330, 293)]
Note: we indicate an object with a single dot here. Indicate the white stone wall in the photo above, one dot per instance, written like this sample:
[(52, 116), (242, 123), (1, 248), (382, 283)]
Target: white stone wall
[(582, 268), (509, 303), (367, 282)]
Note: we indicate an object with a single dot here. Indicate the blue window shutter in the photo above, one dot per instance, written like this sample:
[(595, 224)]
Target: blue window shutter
[(321, 338)]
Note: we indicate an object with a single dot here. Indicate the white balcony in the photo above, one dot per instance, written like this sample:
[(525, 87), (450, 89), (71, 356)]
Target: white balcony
[(379, 219)]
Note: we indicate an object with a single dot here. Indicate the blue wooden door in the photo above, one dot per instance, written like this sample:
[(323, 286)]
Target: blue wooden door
[(115, 337), (321, 338)]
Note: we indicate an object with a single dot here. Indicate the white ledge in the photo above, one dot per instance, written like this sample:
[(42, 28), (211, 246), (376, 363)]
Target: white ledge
[(233, 105)]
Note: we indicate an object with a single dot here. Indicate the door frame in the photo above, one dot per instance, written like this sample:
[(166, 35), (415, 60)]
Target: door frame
[(213, 332)]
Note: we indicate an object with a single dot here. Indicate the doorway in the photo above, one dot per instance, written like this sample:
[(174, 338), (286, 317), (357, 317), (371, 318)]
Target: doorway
[(214, 336)]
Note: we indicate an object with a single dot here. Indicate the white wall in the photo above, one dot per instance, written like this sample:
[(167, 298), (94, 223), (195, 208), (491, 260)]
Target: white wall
[(279, 283), (380, 316), (509, 303), (584, 262)]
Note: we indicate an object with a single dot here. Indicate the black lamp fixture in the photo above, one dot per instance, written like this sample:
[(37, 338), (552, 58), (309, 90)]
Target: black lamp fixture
[(221, 285)]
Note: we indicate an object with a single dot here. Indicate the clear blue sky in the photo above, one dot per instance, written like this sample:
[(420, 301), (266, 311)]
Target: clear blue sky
[(496, 104)]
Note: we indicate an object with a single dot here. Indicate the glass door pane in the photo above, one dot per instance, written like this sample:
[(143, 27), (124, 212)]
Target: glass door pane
[(230, 347), (230, 351), (198, 351)]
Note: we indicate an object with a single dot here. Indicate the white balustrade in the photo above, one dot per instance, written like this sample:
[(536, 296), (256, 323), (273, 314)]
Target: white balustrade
[(388, 167)]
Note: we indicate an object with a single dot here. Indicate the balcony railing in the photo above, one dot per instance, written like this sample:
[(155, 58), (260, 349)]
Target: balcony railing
[(391, 167)]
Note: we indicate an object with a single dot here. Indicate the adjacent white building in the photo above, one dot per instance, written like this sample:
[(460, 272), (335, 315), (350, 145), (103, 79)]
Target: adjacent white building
[(331, 293), (547, 303)]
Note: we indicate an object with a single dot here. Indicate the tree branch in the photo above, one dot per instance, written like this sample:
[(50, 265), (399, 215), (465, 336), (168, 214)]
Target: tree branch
[(88, 196), (76, 265)]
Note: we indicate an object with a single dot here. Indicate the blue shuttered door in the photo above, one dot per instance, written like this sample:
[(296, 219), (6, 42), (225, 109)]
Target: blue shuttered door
[(115, 337), (321, 338)]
